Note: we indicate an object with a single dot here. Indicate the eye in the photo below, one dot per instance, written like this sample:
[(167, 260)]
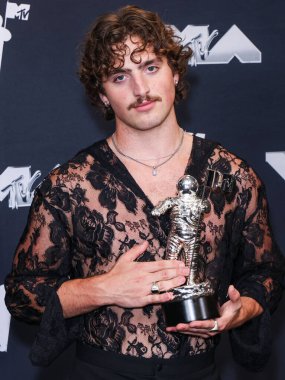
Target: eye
[(119, 78), (152, 69)]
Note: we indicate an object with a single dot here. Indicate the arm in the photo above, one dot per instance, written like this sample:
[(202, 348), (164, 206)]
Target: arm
[(42, 260), (259, 268), (259, 274), (41, 264), (163, 206), (127, 284)]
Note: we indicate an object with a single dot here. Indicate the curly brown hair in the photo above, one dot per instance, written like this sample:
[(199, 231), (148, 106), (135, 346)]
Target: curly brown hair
[(105, 47)]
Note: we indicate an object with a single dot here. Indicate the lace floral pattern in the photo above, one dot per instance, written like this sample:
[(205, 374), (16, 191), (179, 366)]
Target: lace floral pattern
[(90, 211)]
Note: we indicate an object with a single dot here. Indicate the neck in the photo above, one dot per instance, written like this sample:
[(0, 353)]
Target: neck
[(144, 144)]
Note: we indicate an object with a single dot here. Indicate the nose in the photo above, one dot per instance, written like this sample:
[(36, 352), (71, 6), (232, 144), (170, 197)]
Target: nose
[(140, 85)]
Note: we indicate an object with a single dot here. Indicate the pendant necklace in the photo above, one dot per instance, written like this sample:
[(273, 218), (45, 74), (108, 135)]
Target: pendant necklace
[(153, 167)]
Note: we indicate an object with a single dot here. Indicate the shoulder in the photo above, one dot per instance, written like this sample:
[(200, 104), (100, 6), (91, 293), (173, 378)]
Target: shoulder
[(71, 174), (202, 148), (231, 163), (213, 155)]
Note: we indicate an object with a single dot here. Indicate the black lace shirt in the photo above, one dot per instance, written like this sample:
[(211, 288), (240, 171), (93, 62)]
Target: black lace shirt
[(90, 211)]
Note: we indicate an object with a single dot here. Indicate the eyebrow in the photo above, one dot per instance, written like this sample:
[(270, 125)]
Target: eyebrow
[(142, 65)]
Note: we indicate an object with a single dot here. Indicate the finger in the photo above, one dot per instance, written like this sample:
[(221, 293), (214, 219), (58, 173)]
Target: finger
[(185, 329), (197, 332), (134, 252), (197, 326), (165, 286), (200, 335), (168, 274), (233, 294), (157, 298), (156, 266), (202, 325)]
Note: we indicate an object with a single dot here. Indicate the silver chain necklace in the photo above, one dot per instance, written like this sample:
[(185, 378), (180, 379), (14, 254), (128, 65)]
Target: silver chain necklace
[(153, 167)]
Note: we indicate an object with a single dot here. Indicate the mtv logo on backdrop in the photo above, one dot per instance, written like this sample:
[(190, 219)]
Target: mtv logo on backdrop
[(21, 11), (13, 11), (234, 43), (16, 183)]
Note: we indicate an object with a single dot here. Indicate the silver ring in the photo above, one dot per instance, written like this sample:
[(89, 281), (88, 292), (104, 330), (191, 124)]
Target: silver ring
[(154, 288), (216, 326)]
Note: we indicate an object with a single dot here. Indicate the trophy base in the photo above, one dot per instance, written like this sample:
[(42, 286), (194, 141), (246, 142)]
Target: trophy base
[(190, 309)]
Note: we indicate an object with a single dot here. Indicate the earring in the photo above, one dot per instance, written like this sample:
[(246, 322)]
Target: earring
[(106, 104), (176, 82)]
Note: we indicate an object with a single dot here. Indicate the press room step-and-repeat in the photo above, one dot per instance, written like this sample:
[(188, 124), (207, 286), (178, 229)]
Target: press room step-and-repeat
[(236, 98)]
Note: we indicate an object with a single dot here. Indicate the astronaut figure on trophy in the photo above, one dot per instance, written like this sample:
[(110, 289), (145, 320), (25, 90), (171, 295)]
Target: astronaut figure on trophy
[(194, 300)]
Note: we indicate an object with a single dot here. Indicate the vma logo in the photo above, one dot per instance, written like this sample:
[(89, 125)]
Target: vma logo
[(13, 11), (16, 184), (234, 43)]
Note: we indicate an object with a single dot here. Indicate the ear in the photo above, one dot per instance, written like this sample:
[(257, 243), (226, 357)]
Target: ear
[(104, 99), (176, 78)]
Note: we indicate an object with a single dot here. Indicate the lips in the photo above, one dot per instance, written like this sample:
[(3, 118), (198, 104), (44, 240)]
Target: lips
[(144, 103), (145, 106)]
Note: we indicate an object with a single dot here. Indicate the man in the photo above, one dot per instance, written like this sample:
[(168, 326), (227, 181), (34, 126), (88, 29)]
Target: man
[(92, 253)]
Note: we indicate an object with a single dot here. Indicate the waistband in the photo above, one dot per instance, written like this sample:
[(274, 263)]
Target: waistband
[(147, 366)]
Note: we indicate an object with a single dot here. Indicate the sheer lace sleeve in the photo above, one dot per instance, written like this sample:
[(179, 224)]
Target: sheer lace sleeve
[(258, 273), (42, 259), (41, 264)]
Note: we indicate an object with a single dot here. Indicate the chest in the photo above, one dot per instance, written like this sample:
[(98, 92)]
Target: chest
[(160, 186)]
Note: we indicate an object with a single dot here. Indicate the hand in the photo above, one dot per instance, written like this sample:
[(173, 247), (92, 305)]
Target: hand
[(129, 282), (233, 313)]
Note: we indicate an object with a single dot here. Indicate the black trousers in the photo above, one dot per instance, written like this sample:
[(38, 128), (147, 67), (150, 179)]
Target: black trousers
[(93, 363)]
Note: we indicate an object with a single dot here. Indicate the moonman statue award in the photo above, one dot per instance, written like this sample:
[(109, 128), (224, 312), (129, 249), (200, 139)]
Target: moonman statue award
[(195, 300)]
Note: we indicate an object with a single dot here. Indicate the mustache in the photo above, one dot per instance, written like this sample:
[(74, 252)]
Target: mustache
[(141, 99)]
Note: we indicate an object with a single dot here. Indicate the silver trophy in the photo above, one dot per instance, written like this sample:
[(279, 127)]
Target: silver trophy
[(195, 300)]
